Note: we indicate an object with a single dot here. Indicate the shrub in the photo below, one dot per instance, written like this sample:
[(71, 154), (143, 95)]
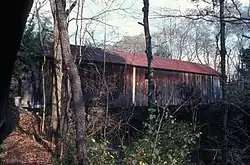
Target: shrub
[(171, 145)]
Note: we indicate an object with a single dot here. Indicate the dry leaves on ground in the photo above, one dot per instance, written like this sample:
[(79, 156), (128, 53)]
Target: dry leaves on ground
[(21, 147)]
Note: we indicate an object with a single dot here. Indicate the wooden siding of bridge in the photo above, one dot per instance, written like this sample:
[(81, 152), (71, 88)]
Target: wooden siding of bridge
[(125, 88)]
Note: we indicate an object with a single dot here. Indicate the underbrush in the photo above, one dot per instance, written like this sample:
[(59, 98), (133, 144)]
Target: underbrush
[(163, 140)]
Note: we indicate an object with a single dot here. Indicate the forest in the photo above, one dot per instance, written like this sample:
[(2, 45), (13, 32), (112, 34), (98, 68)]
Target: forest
[(47, 116)]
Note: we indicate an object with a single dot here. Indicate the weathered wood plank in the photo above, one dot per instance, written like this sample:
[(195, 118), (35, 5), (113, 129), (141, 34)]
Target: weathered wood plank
[(120, 79)]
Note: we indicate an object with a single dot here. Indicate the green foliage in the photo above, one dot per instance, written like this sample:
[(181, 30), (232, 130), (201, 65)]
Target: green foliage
[(165, 141), (99, 154), (171, 145), (30, 55), (69, 156)]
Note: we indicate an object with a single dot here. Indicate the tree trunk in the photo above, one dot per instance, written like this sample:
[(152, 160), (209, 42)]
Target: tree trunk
[(72, 71), (67, 96), (224, 150), (57, 75), (148, 51), (44, 95)]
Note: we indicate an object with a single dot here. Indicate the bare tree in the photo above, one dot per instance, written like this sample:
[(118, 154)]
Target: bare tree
[(60, 16), (133, 44), (223, 53), (42, 38), (149, 53), (57, 76)]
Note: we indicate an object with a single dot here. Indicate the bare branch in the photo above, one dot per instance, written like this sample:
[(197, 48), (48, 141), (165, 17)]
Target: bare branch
[(72, 6), (248, 37), (208, 17), (140, 23), (236, 7), (91, 19)]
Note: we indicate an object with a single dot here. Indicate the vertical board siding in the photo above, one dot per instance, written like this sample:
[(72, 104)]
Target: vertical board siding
[(168, 90), (115, 83), (169, 85), (127, 89), (141, 87)]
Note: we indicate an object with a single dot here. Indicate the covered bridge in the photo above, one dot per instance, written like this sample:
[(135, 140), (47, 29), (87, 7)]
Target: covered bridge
[(119, 78)]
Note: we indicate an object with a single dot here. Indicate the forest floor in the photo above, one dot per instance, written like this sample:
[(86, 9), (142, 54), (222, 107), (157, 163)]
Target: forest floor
[(22, 147)]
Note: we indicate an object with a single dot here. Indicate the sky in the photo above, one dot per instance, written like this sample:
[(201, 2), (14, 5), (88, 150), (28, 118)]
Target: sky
[(122, 17), (130, 25), (121, 22)]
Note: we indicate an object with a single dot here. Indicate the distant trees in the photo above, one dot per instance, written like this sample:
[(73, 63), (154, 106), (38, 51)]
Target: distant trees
[(193, 35), (29, 58), (181, 39), (133, 44), (186, 39)]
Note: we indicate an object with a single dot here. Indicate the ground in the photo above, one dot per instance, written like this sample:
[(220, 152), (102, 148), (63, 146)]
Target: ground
[(22, 147)]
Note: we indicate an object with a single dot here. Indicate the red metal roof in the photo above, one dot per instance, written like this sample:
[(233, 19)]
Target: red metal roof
[(121, 57)]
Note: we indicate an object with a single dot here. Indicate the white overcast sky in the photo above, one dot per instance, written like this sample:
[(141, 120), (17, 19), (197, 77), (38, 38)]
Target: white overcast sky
[(123, 23), (129, 25), (126, 23)]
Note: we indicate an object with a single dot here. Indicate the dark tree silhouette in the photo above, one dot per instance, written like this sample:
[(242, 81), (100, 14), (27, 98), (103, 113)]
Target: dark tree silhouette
[(149, 54), (14, 18)]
